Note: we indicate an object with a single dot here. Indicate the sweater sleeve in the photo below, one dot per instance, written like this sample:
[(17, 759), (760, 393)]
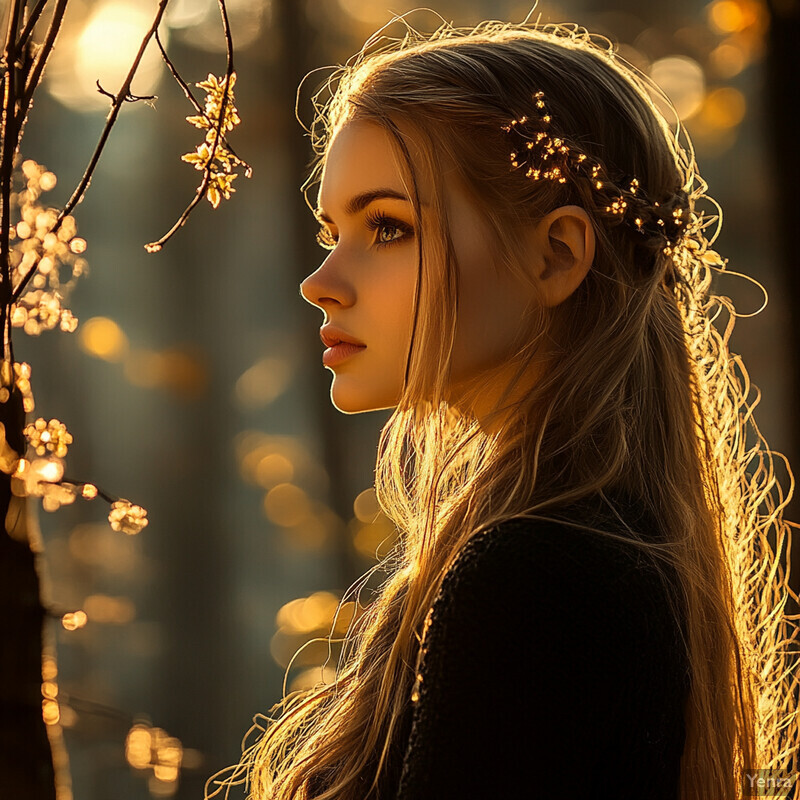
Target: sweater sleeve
[(551, 667)]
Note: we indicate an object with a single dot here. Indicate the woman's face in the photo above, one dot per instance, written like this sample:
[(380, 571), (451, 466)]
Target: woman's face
[(365, 287)]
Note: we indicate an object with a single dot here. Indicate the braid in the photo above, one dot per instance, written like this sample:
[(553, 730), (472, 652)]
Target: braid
[(662, 225)]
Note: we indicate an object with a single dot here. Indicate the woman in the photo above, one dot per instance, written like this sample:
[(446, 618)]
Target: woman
[(518, 267)]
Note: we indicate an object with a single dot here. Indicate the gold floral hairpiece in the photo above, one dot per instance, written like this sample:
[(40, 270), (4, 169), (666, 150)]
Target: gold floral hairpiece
[(544, 156)]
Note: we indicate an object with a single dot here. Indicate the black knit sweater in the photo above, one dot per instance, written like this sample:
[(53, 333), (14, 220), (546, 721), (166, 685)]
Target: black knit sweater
[(552, 667)]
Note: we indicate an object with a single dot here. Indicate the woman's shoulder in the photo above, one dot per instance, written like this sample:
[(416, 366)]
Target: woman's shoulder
[(565, 632), (583, 548), (544, 577), (593, 603)]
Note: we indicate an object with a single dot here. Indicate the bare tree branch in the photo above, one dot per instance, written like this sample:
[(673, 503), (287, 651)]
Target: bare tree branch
[(124, 91), (129, 98), (10, 141), (100, 493), (41, 59), (201, 190), (193, 100), (13, 22), (27, 31)]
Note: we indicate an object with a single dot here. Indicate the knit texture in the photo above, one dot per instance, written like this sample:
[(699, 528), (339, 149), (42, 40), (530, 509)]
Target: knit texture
[(552, 667)]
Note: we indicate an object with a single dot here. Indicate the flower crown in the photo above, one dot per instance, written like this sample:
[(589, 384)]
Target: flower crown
[(547, 157)]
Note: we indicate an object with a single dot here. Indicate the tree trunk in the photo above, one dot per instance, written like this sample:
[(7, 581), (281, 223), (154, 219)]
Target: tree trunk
[(780, 84), (26, 762)]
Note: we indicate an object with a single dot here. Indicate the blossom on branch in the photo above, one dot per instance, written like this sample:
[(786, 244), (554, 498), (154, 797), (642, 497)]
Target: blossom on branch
[(215, 89), (220, 167), (48, 436), (21, 379), (41, 249), (127, 517)]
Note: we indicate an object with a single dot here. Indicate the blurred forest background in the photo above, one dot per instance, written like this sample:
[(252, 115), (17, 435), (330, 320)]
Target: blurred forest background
[(194, 387)]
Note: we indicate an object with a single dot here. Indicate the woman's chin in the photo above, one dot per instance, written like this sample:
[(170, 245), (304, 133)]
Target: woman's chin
[(351, 399)]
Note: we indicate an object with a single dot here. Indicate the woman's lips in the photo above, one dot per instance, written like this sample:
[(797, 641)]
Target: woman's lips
[(339, 352)]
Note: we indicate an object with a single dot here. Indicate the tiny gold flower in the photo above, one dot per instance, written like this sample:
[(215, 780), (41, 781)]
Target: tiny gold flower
[(127, 517), (48, 436), (220, 167)]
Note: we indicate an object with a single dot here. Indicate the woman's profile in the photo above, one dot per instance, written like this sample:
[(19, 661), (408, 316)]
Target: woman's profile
[(583, 600)]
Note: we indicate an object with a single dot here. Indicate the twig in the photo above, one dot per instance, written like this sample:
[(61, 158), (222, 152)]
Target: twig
[(15, 113), (10, 139), (41, 59), (77, 195), (100, 493), (91, 707), (13, 22), (129, 98), (201, 190), (29, 26), (191, 98)]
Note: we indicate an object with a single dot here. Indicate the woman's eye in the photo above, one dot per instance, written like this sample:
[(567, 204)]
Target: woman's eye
[(388, 232), (326, 239)]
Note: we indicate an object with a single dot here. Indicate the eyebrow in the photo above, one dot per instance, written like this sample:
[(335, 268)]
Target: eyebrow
[(361, 201)]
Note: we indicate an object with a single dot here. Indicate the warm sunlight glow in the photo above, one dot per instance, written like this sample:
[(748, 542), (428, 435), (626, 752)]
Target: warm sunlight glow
[(287, 505), (102, 48), (365, 506), (262, 383), (186, 13), (683, 81), (273, 469), (727, 59), (310, 677), (109, 610), (306, 614), (731, 16), (369, 12), (103, 338), (724, 108)]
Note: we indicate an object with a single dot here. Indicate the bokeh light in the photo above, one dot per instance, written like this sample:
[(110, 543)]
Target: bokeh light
[(180, 370), (287, 505), (683, 81), (103, 338), (102, 47), (110, 610), (371, 13), (730, 16), (727, 59), (73, 620), (259, 385), (724, 107), (185, 13), (366, 506)]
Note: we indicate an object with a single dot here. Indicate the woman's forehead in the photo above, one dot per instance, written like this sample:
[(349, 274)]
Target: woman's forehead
[(361, 160), (363, 157)]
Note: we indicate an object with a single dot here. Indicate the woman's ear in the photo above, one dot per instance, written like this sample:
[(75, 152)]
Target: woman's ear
[(564, 241)]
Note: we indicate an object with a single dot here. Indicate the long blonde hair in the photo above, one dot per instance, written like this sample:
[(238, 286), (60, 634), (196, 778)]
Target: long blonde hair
[(640, 394)]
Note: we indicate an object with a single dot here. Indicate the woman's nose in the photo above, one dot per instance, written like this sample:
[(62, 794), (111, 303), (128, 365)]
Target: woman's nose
[(307, 290), (322, 288)]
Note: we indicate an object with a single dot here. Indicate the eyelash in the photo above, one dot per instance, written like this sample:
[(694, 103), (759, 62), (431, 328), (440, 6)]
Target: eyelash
[(374, 222)]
